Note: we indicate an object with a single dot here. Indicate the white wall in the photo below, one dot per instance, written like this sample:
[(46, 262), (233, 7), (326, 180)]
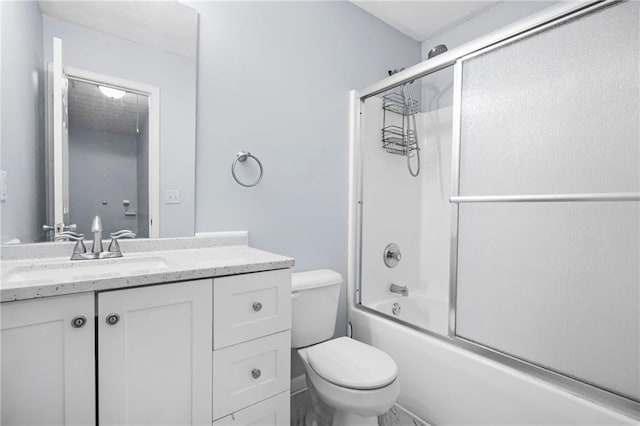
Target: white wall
[(490, 19), (437, 87), (102, 166), (391, 210), (175, 76), (22, 151), (412, 212), (274, 79)]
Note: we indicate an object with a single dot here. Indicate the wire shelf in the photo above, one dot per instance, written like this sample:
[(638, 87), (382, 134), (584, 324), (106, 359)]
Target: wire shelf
[(396, 102), (396, 140)]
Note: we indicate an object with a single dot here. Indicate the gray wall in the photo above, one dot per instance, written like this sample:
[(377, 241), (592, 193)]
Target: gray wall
[(274, 79), (102, 166), (174, 75), (22, 130)]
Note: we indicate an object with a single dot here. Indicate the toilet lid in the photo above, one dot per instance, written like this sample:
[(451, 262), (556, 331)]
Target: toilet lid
[(352, 364)]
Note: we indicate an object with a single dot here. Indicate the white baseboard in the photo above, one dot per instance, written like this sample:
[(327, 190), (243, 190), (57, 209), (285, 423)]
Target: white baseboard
[(299, 384)]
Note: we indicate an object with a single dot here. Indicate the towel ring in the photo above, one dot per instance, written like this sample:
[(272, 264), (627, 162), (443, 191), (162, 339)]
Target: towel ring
[(242, 156)]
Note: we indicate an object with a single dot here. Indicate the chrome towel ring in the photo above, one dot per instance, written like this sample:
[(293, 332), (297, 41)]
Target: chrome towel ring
[(242, 157)]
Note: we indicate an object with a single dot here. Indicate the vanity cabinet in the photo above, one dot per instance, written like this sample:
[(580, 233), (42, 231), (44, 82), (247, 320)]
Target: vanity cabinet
[(48, 367), (154, 354), (195, 352)]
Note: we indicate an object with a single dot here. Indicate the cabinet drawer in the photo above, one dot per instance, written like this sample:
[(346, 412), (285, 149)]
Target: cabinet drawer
[(250, 372), (249, 306), (274, 411)]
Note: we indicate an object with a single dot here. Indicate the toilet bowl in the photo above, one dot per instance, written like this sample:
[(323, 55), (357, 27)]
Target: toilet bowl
[(358, 381)]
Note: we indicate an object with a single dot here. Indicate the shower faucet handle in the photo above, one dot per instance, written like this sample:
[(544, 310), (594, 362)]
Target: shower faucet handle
[(61, 227), (392, 255)]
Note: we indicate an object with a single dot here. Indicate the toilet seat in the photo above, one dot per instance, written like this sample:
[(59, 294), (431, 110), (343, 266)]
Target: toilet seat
[(352, 364)]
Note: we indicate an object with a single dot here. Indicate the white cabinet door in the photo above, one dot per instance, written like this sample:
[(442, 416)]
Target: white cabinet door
[(155, 356), (48, 365)]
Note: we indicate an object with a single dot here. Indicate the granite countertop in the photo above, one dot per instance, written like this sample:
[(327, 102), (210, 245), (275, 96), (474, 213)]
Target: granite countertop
[(28, 278)]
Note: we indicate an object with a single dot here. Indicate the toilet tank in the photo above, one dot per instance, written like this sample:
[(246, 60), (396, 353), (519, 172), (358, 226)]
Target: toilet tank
[(315, 296)]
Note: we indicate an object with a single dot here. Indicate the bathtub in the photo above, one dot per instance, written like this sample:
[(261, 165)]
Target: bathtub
[(444, 384), (421, 311)]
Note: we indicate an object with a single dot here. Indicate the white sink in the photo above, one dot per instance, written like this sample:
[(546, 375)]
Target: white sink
[(83, 270)]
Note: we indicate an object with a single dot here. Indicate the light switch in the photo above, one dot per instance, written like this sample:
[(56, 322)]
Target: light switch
[(3, 185), (172, 196)]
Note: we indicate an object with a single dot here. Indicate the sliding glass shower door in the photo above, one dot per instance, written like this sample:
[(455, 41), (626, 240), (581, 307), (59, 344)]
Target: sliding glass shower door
[(548, 191)]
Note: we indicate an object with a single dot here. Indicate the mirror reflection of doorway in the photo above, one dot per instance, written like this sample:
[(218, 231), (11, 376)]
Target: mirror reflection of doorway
[(108, 157)]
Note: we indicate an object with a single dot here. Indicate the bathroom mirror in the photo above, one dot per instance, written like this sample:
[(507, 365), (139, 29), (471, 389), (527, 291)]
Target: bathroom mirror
[(98, 118)]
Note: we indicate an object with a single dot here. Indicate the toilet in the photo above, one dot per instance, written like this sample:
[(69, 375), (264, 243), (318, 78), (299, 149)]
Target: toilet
[(358, 381)]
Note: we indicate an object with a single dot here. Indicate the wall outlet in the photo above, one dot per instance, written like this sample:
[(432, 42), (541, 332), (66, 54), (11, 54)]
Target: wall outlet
[(3, 185), (172, 196)]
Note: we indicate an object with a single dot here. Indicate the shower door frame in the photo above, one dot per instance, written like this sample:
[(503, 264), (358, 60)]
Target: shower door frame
[(455, 57)]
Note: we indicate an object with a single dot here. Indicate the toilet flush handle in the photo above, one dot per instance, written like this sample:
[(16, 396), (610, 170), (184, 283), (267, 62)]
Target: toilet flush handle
[(295, 295)]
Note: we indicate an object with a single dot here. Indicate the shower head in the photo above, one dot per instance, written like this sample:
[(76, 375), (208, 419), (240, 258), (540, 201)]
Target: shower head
[(441, 48), (394, 71)]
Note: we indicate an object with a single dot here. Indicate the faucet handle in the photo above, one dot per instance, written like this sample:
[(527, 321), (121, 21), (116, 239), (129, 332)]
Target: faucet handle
[(115, 236), (79, 248), (69, 236), (123, 233)]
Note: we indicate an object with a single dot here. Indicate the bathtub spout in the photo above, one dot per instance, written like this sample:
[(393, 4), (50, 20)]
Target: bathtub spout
[(400, 289)]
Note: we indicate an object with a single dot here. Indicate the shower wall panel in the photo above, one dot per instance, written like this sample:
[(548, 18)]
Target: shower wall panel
[(410, 212), (391, 206)]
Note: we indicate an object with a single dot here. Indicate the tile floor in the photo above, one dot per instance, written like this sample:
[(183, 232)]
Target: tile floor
[(302, 415)]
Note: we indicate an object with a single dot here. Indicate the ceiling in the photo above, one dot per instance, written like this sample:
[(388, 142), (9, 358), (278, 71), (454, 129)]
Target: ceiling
[(90, 109), (165, 25), (422, 20)]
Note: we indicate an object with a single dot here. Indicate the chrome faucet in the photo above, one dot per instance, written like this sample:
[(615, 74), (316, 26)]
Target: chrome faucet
[(96, 230), (97, 250), (399, 289)]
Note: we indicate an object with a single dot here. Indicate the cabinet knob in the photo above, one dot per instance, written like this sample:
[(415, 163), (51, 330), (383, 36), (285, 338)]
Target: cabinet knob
[(112, 319), (256, 373), (257, 306), (79, 321)]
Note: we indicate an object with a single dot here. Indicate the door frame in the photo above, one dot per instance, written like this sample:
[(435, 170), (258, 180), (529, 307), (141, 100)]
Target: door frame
[(153, 93)]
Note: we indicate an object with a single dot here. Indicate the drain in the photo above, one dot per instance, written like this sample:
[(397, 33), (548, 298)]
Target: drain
[(396, 309)]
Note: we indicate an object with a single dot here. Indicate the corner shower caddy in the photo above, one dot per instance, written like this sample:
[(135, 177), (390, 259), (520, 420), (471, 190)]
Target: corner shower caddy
[(400, 140)]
